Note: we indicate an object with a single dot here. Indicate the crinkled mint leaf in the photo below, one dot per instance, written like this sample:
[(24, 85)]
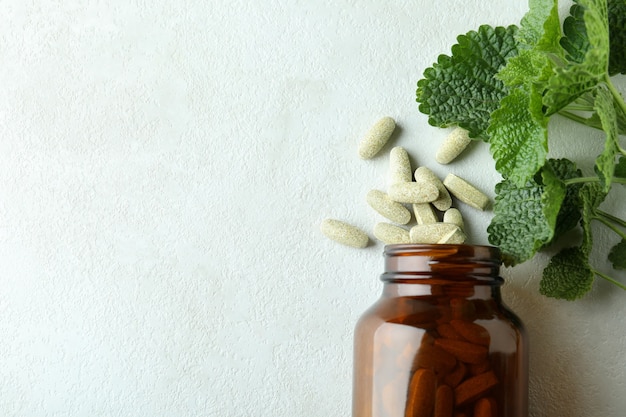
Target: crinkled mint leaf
[(617, 255), (620, 168), (574, 41), (568, 275), (591, 196), (553, 195), (570, 212), (528, 67), (605, 162), (525, 217), (540, 28), (462, 89), (571, 81), (617, 36), (519, 136), (597, 26)]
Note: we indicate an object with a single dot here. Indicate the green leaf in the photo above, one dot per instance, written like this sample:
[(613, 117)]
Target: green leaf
[(597, 26), (591, 196), (571, 81), (605, 162), (568, 275), (574, 41), (570, 212), (525, 217), (553, 195), (519, 136), (528, 67), (617, 36), (462, 89), (540, 28), (617, 255), (620, 168)]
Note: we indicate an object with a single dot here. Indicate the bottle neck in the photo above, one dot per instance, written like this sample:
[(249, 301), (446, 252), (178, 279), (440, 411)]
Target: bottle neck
[(469, 271), (482, 291)]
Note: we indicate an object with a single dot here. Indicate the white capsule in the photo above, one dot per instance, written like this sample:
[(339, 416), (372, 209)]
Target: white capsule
[(453, 145), (413, 192), (454, 216), (454, 237), (344, 233), (391, 234), (466, 192), (424, 213), (399, 166), (388, 208), (444, 201), (430, 233), (376, 137)]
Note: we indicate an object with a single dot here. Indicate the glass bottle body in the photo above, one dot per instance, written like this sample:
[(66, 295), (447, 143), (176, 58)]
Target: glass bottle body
[(439, 342)]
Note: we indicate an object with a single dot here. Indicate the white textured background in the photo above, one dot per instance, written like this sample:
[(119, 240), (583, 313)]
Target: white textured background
[(164, 167)]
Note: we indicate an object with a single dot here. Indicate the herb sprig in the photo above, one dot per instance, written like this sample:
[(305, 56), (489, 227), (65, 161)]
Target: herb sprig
[(504, 85)]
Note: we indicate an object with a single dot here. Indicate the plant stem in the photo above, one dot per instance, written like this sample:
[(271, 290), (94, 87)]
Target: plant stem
[(579, 119), (612, 218), (616, 95), (579, 180), (617, 98), (608, 278), (611, 226)]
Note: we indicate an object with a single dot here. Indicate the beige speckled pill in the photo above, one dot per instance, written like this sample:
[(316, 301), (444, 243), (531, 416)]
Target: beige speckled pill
[(454, 237), (444, 201), (424, 213), (388, 208), (452, 146), (413, 192), (399, 166), (344, 233), (454, 216), (466, 192), (376, 137), (391, 234), (430, 233)]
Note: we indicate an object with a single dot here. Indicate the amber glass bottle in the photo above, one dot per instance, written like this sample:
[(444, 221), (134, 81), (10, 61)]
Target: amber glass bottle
[(439, 342)]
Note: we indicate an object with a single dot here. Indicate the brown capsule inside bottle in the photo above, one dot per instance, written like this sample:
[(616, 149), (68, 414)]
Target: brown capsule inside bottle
[(439, 342)]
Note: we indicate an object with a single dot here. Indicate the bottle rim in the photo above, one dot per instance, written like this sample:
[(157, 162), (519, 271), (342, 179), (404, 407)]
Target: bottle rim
[(441, 259), (478, 251)]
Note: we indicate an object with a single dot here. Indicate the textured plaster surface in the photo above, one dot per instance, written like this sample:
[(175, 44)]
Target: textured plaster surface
[(164, 167)]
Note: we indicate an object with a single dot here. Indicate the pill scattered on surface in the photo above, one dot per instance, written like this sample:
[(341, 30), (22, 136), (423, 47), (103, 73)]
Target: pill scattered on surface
[(376, 138), (387, 207), (399, 166), (430, 233), (454, 216), (391, 234), (430, 199), (424, 213), (466, 192), (444, 201), (413, 192), (344, 233), (452, 146), (454, 237)]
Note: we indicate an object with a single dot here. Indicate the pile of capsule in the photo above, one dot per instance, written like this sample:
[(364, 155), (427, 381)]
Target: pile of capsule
[(421, 192)]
